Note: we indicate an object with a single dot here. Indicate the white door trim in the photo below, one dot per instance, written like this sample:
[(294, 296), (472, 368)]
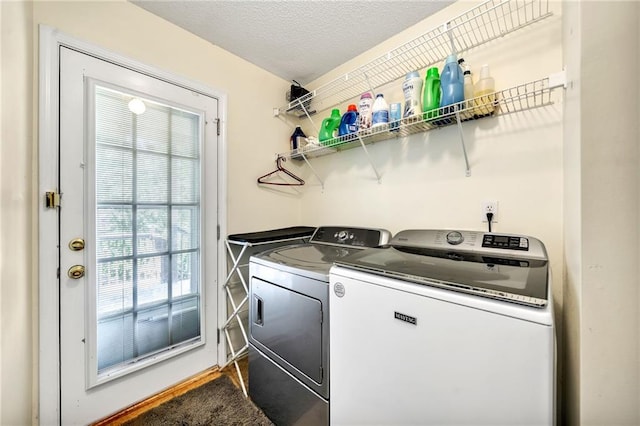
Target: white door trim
[(48, 256)]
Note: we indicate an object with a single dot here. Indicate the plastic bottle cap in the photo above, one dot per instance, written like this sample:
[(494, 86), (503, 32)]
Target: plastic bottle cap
[(413, 74), (352, 107), (484, 71), (451, 58), (467, 70), (460, 61), (379, 95), (366, 95)]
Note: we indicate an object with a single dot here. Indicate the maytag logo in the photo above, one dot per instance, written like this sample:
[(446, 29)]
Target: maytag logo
[(405, 318)]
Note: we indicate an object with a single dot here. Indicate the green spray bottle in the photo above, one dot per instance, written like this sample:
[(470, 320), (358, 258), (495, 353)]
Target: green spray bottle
[(431, 94), (329, 127)]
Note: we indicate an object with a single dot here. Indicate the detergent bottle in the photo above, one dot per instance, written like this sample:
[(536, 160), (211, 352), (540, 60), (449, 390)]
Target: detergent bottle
[(364, 109), (452, 83), (467, 114), (380, 111), (412, 89), (349, 121), (329, 127), (431, 94), (484, 93)]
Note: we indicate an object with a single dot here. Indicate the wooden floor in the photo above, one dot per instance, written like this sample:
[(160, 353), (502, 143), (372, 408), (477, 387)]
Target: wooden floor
[(193, 382)]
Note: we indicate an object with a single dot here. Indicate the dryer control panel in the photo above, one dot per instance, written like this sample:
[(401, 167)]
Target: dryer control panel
[(352, 237)]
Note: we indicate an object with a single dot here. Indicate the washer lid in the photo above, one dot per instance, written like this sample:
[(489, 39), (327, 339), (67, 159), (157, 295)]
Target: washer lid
[(518, 280)]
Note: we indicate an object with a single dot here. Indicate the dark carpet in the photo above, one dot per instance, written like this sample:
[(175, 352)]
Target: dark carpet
[(217, 402)]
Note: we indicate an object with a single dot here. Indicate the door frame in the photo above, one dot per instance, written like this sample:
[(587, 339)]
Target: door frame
[(48, 358)]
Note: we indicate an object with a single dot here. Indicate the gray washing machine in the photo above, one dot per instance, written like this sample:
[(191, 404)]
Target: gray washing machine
[(289, 323)]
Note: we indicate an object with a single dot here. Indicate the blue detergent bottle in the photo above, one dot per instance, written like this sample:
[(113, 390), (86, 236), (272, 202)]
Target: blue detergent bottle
[(349, 121), (452, 83)]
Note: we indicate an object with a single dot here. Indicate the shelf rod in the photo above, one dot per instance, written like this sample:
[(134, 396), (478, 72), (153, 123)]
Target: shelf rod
[(304, 157), (364, 147), (464, 148)]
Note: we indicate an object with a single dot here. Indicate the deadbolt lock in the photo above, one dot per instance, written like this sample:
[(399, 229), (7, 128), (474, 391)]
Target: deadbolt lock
[(76, 244), (76, 272)]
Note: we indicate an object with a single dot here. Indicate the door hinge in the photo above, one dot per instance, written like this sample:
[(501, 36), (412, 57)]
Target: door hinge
[(218, 335), (218, 125), (51, 199), (218, 232)]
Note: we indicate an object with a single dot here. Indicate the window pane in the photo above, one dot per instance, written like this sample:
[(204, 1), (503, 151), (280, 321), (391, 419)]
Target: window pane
[(184, 228), (185, 320), (185, 134), (185, 274), (185, 181), (114, 176), (115, 287), (114, 232), (153, 134), (152, 225), (152, 178), (115, 341), (152, 330), (113, 118), (153, 279)]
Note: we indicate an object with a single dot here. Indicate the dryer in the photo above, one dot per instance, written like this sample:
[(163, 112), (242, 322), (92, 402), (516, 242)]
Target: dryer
[(443, 328), (289, 323)]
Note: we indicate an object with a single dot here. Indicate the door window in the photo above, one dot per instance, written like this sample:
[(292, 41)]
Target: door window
[(147, 204)]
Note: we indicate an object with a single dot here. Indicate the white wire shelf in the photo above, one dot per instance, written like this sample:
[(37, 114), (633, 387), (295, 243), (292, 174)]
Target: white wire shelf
[(522, 97), (485, 22)]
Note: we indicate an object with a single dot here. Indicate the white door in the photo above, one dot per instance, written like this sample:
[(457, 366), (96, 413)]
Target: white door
[(138, 292)]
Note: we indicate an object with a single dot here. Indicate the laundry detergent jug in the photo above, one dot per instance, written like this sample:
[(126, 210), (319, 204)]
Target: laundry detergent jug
[(431, 94), (329, 127), (452, 83)]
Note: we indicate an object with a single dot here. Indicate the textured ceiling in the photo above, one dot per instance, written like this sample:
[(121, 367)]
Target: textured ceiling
[(296, 40)]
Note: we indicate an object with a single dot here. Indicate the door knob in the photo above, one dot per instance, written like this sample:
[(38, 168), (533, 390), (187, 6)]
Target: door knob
[(76, 272), (76, 244)]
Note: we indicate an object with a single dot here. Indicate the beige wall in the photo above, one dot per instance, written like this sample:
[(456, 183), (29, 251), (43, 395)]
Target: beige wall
[(610, 376), (17, 177), (253, 136)]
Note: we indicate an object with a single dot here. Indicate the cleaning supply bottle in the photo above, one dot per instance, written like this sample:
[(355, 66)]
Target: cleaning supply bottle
[(467, 113), (431, 94), (452, 83), (329, 127), (380, 111), (297, 138), (484, 92), (349, 121), (364, 109), (412, 89)]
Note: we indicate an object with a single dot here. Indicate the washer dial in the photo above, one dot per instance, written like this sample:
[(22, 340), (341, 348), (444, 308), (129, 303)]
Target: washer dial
[(454, 238)]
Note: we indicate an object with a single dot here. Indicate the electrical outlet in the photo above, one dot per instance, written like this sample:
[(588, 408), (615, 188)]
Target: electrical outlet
[(490, 207)]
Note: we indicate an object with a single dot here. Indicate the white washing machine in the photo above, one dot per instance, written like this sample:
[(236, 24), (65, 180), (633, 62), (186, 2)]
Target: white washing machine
[(443, 328)]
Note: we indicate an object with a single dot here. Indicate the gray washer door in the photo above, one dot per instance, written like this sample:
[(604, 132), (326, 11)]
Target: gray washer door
[(289, 324)]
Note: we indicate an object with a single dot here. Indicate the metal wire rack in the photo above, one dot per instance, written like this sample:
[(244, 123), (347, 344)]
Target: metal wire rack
[(522, 97), (240, 248), (485, 22)]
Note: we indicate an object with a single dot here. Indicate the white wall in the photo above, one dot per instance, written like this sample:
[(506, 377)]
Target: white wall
[(252, 138)]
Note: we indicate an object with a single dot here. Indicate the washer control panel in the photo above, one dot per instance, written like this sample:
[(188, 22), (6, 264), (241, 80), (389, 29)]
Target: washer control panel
[(352, 237), (508, 242), (489, 243)]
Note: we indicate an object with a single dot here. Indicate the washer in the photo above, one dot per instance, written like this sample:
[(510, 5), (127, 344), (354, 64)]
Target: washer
[(443, 328), (289, 323)]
